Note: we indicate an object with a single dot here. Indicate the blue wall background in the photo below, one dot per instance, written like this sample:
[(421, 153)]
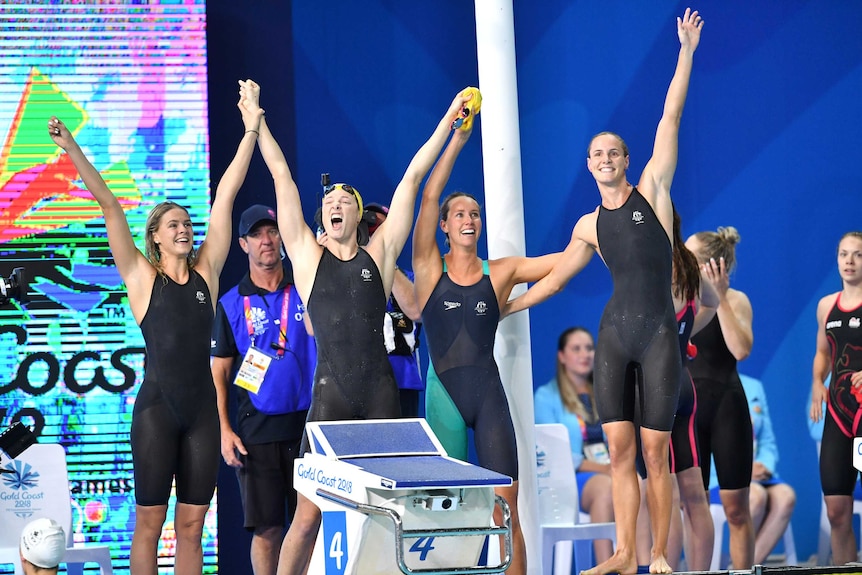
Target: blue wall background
[(771, 143)]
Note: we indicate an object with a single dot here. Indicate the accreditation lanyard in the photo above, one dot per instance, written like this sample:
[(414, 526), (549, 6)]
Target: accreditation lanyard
[(282, 328), (597, 452)]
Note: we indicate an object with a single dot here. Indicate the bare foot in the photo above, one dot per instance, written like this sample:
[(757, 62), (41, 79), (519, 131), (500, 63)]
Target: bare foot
[(622, 563), (659, 565)]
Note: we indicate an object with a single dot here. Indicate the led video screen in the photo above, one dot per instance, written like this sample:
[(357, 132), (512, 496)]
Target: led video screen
[(129, 80)]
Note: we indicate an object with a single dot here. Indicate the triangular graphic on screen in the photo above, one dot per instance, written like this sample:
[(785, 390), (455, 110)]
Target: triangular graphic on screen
[(36, 193)]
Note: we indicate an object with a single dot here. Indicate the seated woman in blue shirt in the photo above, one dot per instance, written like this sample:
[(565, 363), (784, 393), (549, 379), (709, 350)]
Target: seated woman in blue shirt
[(568, 399)]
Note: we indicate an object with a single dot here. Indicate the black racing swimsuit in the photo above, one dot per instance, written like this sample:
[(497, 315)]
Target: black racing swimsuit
[(353, 378), (460, 326), (175, 427), (684, 452), (844, 333), (723, 420), (637, 342)]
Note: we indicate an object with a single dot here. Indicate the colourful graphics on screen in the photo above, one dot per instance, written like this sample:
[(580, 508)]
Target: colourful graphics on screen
[(129, 80)]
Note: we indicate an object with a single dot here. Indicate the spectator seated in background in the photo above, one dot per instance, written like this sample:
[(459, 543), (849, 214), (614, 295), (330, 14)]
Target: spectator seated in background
[(770, 498), (568, 399)]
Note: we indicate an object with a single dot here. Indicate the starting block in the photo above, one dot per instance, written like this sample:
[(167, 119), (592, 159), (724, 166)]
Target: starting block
[(392, 501)]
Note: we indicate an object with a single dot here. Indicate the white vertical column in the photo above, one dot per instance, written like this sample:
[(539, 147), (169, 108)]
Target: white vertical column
[(504, 228)]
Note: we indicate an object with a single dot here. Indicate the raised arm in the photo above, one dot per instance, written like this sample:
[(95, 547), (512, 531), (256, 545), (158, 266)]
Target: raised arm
[(213, 252), (735, 317), (392, 234), (708, 304), (298, 239), (508, 272), (575, 257), (822, 358), (658, 173), (405, 295), (734, 310), (427, 265), (131, 264)]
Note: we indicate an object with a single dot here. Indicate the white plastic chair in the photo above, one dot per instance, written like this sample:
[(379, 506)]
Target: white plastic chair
[(559, 507), (719, 519), (40, 471)]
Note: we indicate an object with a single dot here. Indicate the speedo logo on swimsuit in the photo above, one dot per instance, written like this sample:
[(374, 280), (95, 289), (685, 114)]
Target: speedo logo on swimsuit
[(637, 217), (481, 308), (854, 322), (447, 305), (682, 327), (201, 297), (832, 324), (365, 274)]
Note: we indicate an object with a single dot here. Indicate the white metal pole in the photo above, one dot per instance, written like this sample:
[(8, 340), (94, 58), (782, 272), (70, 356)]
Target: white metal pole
[(504, 214)]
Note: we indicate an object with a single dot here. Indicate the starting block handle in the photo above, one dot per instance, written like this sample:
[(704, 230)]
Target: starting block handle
[(401, 534)]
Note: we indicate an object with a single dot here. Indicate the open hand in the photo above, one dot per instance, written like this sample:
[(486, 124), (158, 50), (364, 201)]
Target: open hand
[(715, 273), (688, 29)]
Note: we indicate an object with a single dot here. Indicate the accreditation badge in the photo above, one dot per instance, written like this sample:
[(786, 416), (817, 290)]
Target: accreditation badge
[(597, 453), (253, 369)]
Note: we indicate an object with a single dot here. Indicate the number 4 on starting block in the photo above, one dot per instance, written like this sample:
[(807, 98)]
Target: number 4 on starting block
[(335, 541), (857, 453)]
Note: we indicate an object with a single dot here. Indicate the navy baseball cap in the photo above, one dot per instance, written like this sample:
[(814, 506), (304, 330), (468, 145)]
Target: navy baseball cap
[(253, 216)]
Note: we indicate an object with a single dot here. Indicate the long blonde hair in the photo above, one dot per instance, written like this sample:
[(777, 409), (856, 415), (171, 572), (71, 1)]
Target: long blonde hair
[(571, 400), (154, 219)]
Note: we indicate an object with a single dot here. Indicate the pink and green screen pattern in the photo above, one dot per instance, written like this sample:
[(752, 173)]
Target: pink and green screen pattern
[(129, 80)]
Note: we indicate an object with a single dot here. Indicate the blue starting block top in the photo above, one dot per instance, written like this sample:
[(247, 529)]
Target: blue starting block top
[(373, 438), (405, 453), (425, 471)]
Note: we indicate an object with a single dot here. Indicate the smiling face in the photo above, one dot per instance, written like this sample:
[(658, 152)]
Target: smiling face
[(174, 234), (608, 158), (578, 355), (461, 220), (340, 215), (169, 233)]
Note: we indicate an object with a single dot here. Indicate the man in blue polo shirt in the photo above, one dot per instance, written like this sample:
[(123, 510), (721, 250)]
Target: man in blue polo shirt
[(261, 349)]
